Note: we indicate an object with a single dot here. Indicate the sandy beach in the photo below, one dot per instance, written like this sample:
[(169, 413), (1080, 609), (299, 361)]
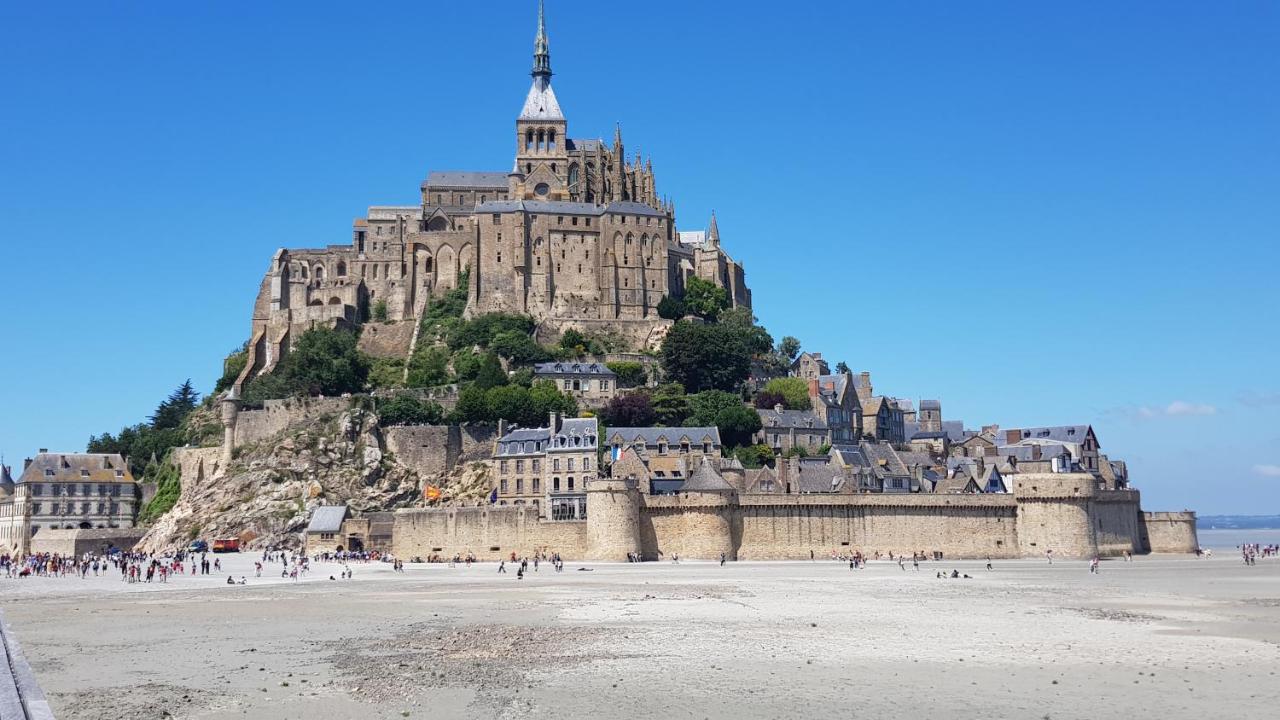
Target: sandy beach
[(1159, 637)]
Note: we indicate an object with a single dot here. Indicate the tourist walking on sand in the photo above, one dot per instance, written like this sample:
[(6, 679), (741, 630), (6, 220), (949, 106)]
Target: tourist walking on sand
[(1093, 565), (915, 562), (988, 562), (1049, 555), (502, 566), (721, 559)]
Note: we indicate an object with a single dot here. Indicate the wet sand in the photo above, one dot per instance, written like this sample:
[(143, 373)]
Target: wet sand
[(1160, 637)]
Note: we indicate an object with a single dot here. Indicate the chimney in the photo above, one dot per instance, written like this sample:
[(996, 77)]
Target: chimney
[(26, 463), (778, 408), (1012, 436), (554, 421), (1035, 452), (44, 450), (502, 427), (813, 387)]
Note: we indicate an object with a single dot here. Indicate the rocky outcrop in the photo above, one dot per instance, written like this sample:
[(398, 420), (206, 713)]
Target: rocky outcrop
[(265, 496)]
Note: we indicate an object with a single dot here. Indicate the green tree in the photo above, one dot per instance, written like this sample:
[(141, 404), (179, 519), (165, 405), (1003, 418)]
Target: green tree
[(630, 374), (789, 347), (670, 308), (386, 373), (704, 299), (175, 408), (513, 404), (519, 348), (754, 456), (573, 340), (737, 425), (842, 367), (472, 407), (757, 340), (670, 404), (705, 356), (631, 410), (326, 361), (794, 391), (490, 373), (380, 311), (405, 409), (705, 406), (547, 399)]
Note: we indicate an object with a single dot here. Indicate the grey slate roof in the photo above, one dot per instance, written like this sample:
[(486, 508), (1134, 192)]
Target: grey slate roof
[(851, 455), (799, 419), (77, 467), (563, 368), (585, 144), (327, 519), (576, 434), (930, 405), (5, 477), (706, 479), (954, 430), (651, 435), (878, 451), (1061, 433), (467, 179)]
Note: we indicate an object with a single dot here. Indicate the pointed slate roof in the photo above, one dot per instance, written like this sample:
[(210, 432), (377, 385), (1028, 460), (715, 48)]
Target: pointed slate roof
[(541, 103), (706, 479)]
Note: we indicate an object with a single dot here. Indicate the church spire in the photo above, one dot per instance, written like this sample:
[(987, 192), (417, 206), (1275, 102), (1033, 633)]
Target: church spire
[(541, 48), (713, 232)]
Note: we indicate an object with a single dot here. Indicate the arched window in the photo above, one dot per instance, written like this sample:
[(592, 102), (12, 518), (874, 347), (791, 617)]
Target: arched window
[(319, 273), (542, 139), (438, 223), (342, 269), (528, 140), (427, 264), (573, 175), (551, 139)]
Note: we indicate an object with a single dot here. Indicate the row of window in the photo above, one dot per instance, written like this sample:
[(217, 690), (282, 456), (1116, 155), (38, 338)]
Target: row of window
[(69, 489), (576, 384), (536, 485), (503, 465), (70, 508)]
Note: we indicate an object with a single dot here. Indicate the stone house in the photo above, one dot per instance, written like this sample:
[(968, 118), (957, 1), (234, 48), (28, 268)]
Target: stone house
[(882, 420), (669, 454), (78, 490), (809, 366), (1080, 440), (546, 467), (836, 403), (784, 430), (591, 384)]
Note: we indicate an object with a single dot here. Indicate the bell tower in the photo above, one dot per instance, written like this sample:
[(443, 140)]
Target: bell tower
[(542, 158)]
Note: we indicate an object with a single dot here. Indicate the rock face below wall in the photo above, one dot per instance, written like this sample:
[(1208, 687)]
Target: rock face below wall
[(266, 495)]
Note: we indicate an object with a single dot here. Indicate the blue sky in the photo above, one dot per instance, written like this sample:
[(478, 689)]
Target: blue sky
[(1040, 214)]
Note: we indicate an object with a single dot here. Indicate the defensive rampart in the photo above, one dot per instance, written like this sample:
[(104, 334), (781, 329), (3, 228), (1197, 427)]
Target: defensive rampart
[(489, 532), (1169, 532)]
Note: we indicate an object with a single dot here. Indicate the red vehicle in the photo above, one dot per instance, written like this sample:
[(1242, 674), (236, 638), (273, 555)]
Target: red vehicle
[(222, 545)]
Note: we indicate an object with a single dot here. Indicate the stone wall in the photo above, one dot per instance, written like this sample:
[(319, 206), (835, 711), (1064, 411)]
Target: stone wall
[(78, 542), (1169, 532), (694, 525), (1116, 517), (438, 449), (387, 340), (776, 527), (276, 416), (489, 532)]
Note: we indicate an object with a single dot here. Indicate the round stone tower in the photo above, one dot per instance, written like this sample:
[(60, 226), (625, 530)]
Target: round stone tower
[(613, 519), (702, 524), (230, 413)]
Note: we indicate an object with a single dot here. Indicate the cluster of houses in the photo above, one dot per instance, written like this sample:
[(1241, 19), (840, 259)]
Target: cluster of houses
[(850, 440)]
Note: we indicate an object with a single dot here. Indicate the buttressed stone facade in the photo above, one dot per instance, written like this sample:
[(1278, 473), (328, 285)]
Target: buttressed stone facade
[(575, 234)]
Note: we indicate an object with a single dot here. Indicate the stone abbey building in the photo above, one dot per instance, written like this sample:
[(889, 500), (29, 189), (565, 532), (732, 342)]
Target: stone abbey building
[(575, 234)]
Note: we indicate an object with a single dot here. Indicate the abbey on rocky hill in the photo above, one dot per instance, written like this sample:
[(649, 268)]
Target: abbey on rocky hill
[(573, 235)]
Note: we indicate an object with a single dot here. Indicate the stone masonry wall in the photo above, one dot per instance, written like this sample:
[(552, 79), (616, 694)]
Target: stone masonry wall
[(776, 527), (387, 340), (79, 542), (490, 532), (1169, 532), (279, 415)]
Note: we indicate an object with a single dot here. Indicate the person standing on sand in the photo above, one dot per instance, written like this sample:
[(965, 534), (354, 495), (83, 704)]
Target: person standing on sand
[(1049, 555), (721, 559), (915, 562), (502, 566), (1093, 565), (988, 562), (811, 556)]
